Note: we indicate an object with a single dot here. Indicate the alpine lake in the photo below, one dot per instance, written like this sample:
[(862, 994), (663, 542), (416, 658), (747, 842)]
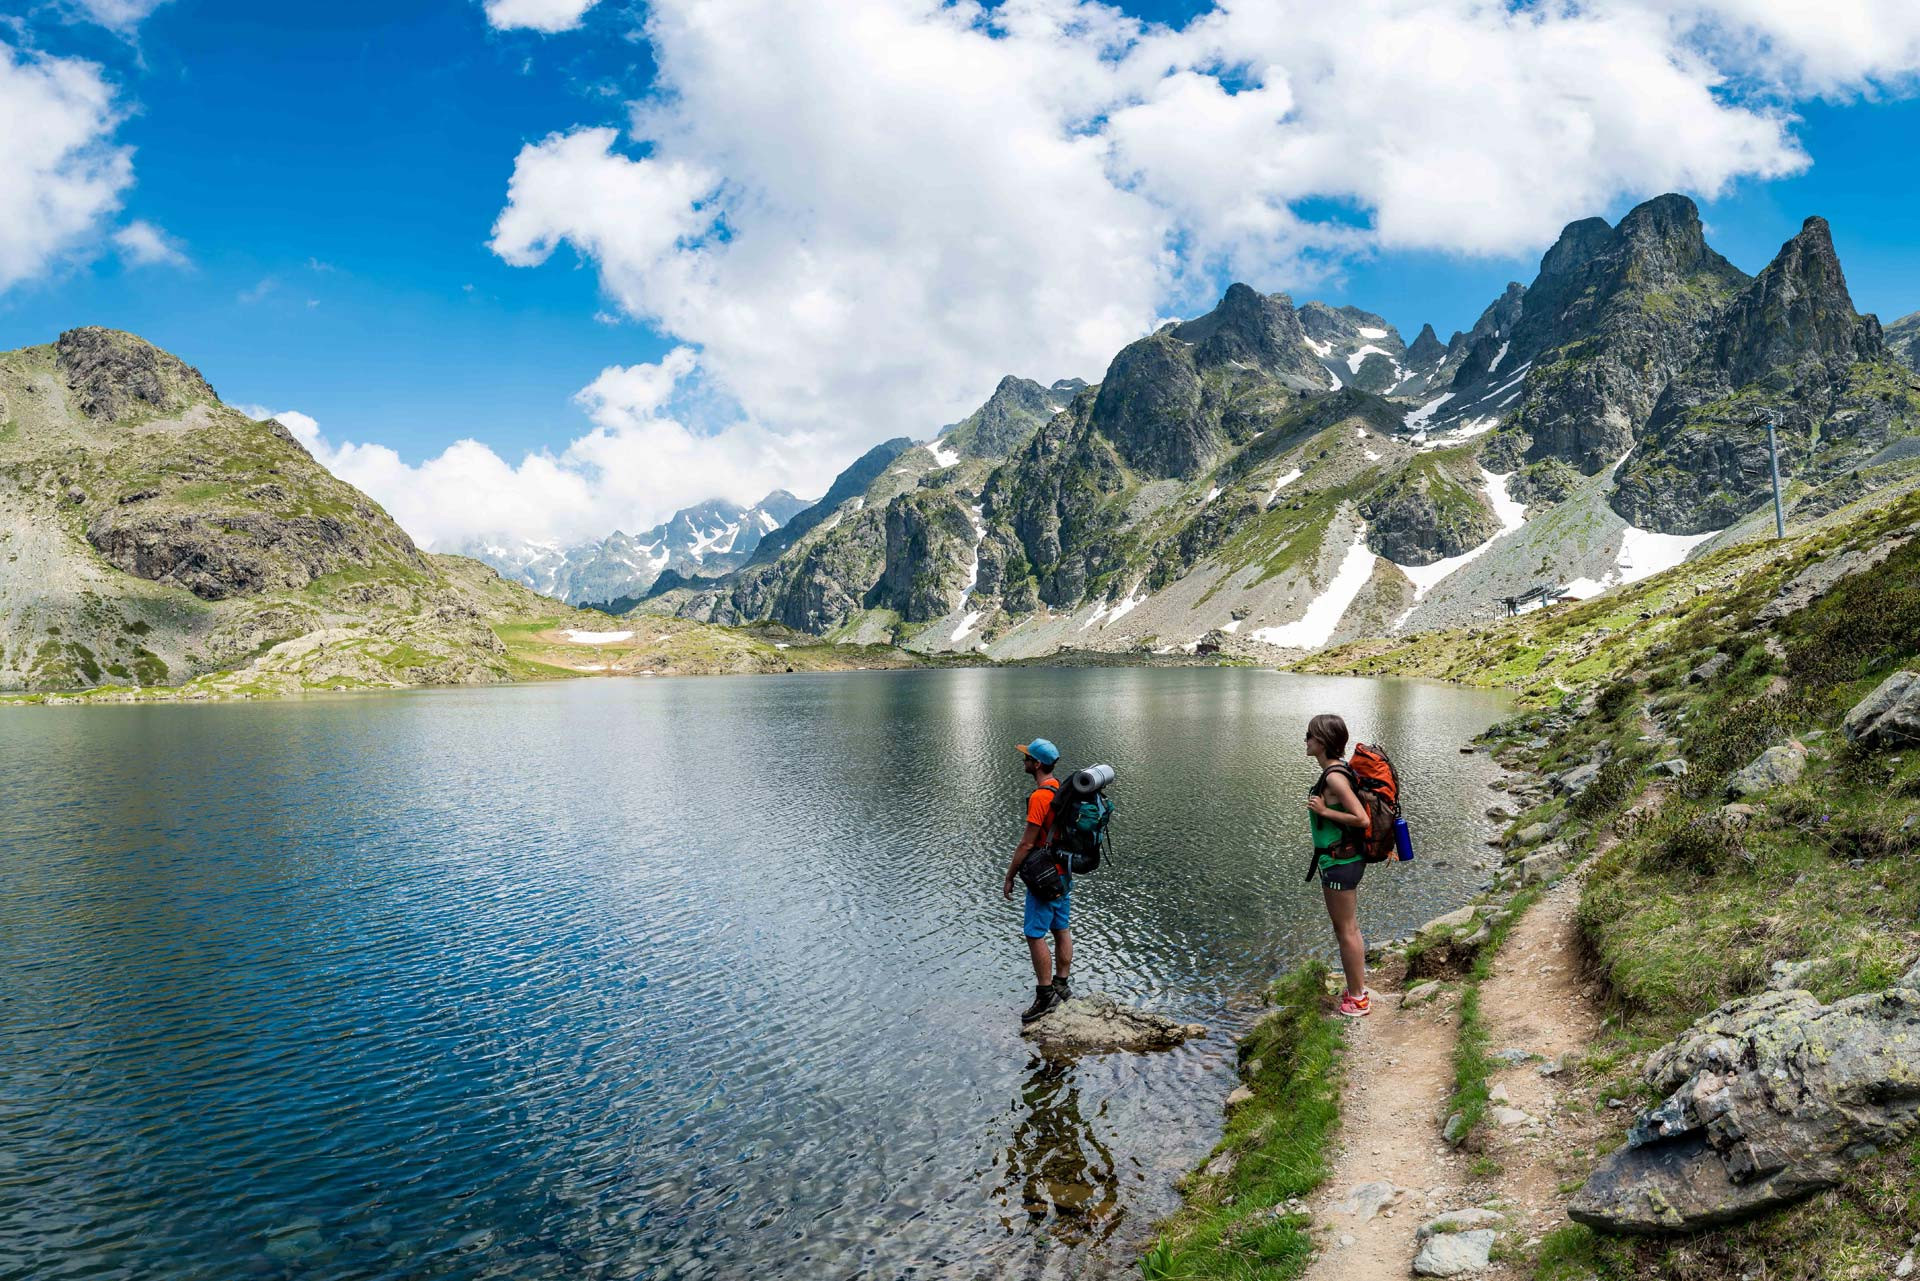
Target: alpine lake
[(701, 978)]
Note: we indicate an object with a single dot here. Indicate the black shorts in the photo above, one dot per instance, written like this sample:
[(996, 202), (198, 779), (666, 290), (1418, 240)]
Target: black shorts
[(1343, 876)]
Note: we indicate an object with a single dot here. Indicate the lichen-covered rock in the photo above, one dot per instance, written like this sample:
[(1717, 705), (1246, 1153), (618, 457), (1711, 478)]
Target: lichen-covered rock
[(1097, 1022), (1778, 766), (1767, 1099), (1888, 717)]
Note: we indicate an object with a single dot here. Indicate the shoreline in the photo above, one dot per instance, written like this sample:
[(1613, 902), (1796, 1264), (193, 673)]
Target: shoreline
[(1704, 832)]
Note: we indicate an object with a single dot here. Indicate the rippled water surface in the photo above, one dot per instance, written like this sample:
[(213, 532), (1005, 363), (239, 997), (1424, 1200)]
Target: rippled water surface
[(689, 978)]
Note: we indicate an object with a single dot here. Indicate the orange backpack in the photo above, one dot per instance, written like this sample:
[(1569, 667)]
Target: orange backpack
[(1378, 789)]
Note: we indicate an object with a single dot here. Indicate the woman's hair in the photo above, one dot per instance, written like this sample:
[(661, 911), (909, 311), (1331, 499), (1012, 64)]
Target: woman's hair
[(1330, 732)]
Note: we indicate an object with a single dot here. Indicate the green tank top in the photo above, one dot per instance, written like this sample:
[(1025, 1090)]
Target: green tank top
[(1328, 834)]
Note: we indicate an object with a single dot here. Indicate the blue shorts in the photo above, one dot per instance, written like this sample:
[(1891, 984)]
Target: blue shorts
[(1043, 918)]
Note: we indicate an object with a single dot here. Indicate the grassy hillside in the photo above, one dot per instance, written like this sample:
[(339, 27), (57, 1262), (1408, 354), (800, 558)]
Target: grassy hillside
[(1704, 893), (157, 544)]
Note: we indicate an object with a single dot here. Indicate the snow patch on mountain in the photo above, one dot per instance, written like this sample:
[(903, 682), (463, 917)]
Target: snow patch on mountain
[(1315, 628)]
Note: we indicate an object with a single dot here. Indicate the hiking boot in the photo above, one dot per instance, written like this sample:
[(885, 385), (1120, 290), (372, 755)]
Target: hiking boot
[(1356, 1007), (1062, 987), (1044, 1000)]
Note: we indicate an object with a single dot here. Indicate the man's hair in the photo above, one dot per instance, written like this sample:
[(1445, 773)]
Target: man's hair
[(1330, 732), (1041, 766)]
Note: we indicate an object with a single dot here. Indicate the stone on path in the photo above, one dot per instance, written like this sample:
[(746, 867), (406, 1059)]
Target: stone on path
[(1457, 1221), (1097, 1022), (1368, 1199), (1454, 1254)]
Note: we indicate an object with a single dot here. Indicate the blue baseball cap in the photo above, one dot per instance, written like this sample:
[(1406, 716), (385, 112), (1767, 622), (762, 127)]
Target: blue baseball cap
[(1041, 750)]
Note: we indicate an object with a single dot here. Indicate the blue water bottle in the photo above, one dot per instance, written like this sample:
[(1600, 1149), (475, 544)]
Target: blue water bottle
[(1403, 840)]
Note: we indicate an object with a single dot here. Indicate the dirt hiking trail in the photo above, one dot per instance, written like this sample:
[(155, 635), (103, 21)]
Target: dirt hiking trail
[(1400, 1077)]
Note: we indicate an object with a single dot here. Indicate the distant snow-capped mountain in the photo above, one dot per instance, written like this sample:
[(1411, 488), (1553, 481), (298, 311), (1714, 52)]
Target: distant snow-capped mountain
[(707, 539)]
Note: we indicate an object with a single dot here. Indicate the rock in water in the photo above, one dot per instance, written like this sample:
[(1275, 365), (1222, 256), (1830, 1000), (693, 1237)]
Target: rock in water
[(1097, 1022), (1769, 1098)]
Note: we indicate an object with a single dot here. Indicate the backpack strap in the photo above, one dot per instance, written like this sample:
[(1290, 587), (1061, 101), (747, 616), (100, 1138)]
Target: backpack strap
[(1340, 767), (1052, 787), (1354, 837)]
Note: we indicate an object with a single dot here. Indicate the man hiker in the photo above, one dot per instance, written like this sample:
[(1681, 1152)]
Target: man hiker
[(1336, 815), (1050, 983)]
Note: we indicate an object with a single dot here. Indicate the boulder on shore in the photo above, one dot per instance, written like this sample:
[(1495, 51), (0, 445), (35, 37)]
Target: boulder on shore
[(1769, 1098), (1097, 1022)]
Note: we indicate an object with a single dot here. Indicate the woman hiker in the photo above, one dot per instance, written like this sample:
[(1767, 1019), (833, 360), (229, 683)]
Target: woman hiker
[(1333, 811)]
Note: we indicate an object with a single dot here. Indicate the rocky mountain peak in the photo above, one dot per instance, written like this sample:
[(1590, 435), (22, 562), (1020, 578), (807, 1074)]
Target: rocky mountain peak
[(1903, 339), (1579, 243), (1426, 349), (1796, 310), (114, 375), (1672, 221), (1007, 420), (1248, 327)]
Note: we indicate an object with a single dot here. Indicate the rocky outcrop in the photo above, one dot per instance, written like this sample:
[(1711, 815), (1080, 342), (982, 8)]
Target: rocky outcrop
[(930, 536), (216, 557), (1821, 577), (1096, 1022), (114, 375), (1614, 314), (1791, 349), (1890, 716), (1767, 1099), (1426, 514), (1008, 420), (1903, 340)]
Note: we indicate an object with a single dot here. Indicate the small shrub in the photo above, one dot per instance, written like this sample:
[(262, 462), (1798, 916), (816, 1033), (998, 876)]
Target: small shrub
[(1746, 728), (1704, 845), (1612, 786), (1614, 698)]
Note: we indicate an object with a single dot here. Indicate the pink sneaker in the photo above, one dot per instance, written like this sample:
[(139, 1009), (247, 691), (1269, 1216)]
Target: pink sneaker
[(1355, 1008)]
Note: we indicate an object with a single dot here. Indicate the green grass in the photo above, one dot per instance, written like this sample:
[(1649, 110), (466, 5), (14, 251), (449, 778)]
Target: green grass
[(1471, 1065), (1279, 1142)]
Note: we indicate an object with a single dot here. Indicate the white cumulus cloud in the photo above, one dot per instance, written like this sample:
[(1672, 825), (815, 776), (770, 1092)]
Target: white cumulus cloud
[(145, 245), (119, 15), (61, 174), (636, 463), (862, 217), (538, 15), (856, 219)]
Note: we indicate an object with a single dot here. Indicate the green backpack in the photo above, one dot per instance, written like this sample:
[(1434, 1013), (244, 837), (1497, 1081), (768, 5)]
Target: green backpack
[(1080, 828)]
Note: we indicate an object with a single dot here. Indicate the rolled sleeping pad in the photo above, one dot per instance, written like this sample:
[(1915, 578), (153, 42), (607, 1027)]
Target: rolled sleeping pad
[(1091, 780)]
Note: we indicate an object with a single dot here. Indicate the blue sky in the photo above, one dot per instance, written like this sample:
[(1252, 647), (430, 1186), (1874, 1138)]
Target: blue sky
[(331, 176)]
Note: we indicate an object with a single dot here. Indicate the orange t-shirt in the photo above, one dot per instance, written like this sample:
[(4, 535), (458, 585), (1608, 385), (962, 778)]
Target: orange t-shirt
[(1040, 804)]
